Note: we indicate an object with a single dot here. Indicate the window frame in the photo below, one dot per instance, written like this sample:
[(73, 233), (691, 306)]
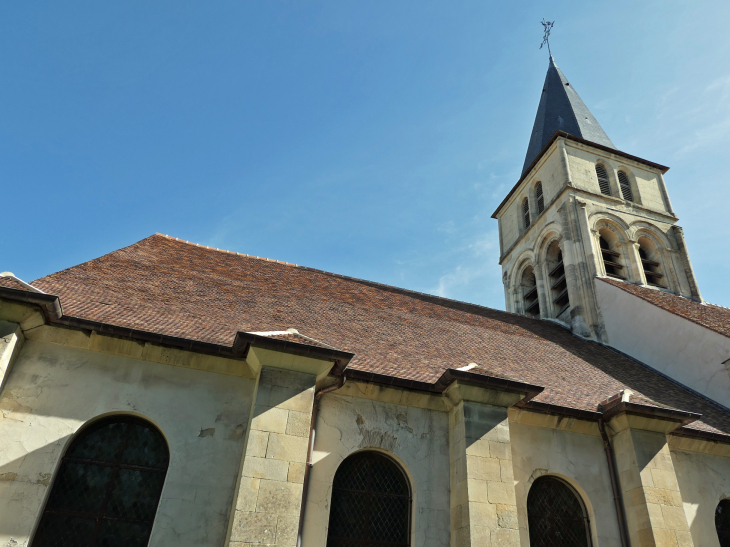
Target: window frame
[(586, 516)]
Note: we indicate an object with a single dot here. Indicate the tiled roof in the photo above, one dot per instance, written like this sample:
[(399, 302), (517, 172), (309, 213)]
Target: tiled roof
[(172, 287), (11, 283), (710, 316)]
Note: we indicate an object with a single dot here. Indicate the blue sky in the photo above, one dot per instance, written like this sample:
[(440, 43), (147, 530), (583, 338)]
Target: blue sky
[(371, 139)]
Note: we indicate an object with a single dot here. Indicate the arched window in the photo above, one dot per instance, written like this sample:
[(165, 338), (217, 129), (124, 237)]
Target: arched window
[(107, 488), (558, 283), (722, 522), (529, 292), (603, 183), (539, 198), (623, 182), (371, 503), (649, 255), (556, 515), (526, 212), (611, 257)]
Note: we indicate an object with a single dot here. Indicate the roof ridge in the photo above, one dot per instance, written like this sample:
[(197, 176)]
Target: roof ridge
[(377, 284)]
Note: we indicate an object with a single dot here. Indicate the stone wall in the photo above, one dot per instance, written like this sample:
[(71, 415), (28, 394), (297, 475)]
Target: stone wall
[(53, 390)]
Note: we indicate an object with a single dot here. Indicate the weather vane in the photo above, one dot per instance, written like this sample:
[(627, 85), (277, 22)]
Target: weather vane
[(547, 26)]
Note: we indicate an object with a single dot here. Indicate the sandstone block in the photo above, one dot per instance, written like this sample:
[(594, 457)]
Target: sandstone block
[(501, 493), (499, 450), (298, 424), (283, 498), (675, 518), (477, 491), (507, 517), (254, 527), (287, 448), (257, 441), (504, 537), (664, 479), (264, 468), (247, 494), (483, 514), (269, 419), (296, 472), (486, 469), (292, 399), (287, 529)]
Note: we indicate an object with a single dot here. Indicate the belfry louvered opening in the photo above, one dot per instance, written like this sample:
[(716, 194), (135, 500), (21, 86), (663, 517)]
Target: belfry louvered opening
[(529, 293), (611, 259), (539, 198), (556, 515), (558, 281), (603, 181), (526, 212), (371, 503), (108, 487), (625, 184), (649, 254)]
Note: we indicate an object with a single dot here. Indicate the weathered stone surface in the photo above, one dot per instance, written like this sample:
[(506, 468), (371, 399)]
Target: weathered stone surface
[(254, 527), (281, 498)]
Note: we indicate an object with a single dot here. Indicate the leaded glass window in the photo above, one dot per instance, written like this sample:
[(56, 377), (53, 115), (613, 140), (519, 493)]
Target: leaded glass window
[(556, 515), (370, 503), (107, 488), (722, 522)]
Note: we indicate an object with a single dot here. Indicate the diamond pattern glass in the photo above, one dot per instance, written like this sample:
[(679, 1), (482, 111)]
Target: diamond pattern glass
[(722, 523), (107, 488), (556, 515), (370, 503)]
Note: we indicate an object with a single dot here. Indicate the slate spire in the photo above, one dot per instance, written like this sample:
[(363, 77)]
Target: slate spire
[(561, 109)]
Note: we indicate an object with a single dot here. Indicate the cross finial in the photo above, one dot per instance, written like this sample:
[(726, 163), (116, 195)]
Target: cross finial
[(547, 27)]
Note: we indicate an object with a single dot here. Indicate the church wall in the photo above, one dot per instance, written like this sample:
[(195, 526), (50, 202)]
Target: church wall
[(681, 349), (418, 438), (645, 181), (577, 458), (53, 390), (704, 480)]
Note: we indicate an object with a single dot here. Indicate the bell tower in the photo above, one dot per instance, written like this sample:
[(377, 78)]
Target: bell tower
[(583, 209)]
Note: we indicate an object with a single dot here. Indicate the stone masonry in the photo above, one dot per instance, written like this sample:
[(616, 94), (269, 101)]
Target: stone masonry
[(270, 493)]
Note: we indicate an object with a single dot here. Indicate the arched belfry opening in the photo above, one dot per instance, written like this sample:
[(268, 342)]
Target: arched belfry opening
[(530, 298), (558, 283), (371, 503), (650, 262), (107, 488), (556, 515), (612, 260)]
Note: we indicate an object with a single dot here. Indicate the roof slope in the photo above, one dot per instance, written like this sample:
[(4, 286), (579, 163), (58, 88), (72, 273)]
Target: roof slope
[(172, 287), (561, 109), (710, 316)]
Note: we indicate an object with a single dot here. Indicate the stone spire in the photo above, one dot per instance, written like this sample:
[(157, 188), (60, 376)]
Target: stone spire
[(561, 109)]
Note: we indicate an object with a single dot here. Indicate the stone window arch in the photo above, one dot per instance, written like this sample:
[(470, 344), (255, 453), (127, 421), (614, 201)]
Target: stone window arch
[(559, 298), (625, 184), (528, 286), (108, 486), (371, 503), (526, 213), (539, 198), (722, 522), (651, 261), (610, 246), (557, 515), (604, 182)]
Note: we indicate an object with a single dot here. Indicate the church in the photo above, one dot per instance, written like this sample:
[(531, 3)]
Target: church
[(172, 395)]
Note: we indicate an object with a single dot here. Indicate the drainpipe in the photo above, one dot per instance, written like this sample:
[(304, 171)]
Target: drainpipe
[(617, 500), (310, 451)]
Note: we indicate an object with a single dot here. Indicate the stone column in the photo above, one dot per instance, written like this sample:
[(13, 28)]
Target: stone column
[(654, 512), (270, 491), (483, 506), (633, 262)]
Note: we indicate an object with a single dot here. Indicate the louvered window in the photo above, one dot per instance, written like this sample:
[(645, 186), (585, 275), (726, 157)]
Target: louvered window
[(623, 181), (611, 260), (526, 212), (556, 515), (558, 282), (539, 197), (370, 503), (652, 268), (107, 488), (603, 180), (530, 296), (722, 523)]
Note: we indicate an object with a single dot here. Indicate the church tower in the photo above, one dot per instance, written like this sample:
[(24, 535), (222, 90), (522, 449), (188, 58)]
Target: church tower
[(583, 209)]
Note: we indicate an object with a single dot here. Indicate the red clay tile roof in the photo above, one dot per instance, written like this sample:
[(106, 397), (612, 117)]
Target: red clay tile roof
[(10, 283), (172, 287), (710, 316)]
